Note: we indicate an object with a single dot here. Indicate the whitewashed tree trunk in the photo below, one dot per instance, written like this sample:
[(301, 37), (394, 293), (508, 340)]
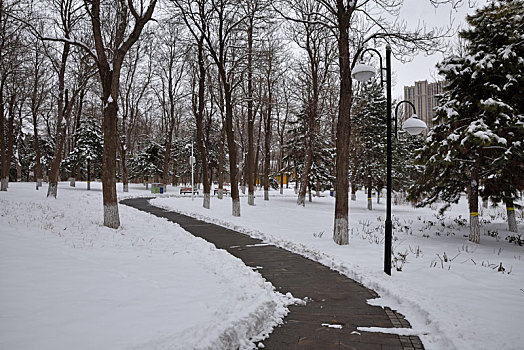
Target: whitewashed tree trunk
[(251, 199), (52, 189), (353, 196), (340, 232), (111, 218), (474, 229), (512, 220), (301, 200), (220, 193), (282, 189), (484, 203), (4, 183), (370, 204), (126, 187), (72, 182), (207, 200), (236, 207), (39, 182), (266, 195)]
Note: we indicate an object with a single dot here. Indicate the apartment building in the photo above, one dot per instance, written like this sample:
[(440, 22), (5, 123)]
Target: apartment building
[(423, 96)]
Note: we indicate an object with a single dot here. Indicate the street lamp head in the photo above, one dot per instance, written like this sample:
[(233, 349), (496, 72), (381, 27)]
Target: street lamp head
[(363, 72), (414, 125)]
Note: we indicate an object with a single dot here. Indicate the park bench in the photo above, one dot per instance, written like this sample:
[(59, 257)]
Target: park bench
[(225, 191), (184, 190)]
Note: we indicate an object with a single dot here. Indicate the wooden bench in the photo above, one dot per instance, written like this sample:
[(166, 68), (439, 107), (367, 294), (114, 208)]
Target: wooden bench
[(184, 190), (225, 191)]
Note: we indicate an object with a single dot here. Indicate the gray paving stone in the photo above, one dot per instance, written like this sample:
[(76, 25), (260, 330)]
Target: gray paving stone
[(334, 297)]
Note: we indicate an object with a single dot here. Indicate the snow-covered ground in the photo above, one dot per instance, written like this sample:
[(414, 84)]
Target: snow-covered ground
[(451, 290), (68, 282)]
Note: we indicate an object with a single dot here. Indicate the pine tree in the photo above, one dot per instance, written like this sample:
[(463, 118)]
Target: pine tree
[(496, 43), (369, 127), (87, 154), (148, 162), (480, 121), (323, 155)]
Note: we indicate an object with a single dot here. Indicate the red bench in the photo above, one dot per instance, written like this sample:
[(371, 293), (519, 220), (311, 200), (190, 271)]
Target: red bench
[(184, 190), (225, 191)]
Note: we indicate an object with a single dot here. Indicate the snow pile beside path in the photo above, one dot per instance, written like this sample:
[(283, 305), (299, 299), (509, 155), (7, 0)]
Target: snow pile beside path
[(68, 282)]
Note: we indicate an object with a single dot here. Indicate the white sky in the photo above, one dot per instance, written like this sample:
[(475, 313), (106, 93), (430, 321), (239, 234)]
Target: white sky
[(423, 67)]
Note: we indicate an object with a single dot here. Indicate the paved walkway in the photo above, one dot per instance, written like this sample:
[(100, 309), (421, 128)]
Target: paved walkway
[(335, 299)]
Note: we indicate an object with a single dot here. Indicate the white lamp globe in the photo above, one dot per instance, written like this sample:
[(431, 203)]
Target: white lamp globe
[(362, 72), (414, 125)]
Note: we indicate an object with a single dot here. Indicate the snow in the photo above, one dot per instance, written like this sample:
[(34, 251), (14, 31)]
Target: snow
[(110, 99), (449, 289), (68, 282)]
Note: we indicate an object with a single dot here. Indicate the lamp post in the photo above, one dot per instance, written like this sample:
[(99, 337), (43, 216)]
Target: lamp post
[(363, 72), (192, 164)]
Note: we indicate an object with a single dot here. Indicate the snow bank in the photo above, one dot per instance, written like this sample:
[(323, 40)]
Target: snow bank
[(68, 282)]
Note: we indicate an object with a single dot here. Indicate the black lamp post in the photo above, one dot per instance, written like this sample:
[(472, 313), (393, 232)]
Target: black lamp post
[(363, 72)]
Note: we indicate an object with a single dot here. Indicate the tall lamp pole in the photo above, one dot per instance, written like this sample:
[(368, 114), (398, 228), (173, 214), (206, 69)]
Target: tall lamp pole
[(364, 72)]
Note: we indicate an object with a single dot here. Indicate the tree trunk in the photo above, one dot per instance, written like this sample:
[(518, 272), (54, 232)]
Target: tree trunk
[(231, 145), (474, 229), (250, 166), (341, 225), (36, 143), (54, 172), (88, 175), (353, 192), (7, 150), (221, 157), (301, 200), (370, 202), (267, 148), (61, 125), (111, 216), (512, 221), (199, 114)]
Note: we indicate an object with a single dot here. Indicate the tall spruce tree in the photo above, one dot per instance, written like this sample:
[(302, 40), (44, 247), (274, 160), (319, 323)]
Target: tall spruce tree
[(480, 120), (369, 125), (89, 147), (496, 43)]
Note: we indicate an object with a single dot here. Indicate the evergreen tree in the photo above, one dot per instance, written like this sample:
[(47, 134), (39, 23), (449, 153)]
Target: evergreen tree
[(87, 154), (480, 121), (148, 162), (496, 43), (369, 127), (323, 155)]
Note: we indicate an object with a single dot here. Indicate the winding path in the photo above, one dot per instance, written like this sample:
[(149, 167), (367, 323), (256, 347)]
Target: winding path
[(334, 298)]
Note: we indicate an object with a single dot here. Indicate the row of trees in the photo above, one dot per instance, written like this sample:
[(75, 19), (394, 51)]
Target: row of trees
[(259, 86), (478, 141)]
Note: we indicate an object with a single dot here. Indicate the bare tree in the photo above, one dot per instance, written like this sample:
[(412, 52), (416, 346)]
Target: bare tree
[(11, 72), (219, 24), (109, 55)]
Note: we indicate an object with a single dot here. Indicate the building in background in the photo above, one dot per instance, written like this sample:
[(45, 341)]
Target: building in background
[(424, 96)]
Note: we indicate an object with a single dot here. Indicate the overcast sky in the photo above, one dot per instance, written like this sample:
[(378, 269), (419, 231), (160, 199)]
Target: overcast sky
[(422, 67)]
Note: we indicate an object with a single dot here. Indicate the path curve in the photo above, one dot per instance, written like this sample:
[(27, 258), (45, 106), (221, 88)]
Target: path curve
[(333, 298)]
